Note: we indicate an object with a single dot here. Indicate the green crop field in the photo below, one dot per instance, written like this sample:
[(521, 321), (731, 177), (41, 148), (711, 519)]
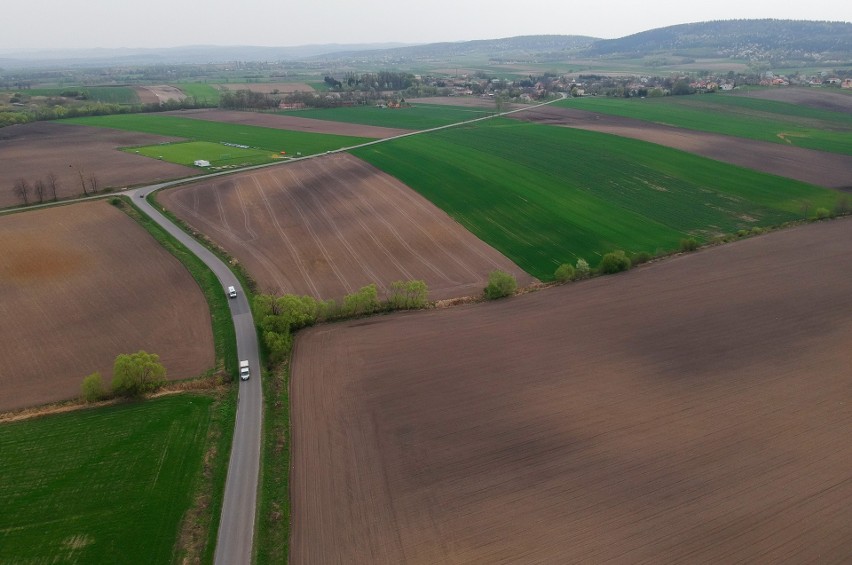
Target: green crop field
[(105, 485), (740, 116), (419, 116), (187, 152), (545, 195), (200, 90), (268, 139)]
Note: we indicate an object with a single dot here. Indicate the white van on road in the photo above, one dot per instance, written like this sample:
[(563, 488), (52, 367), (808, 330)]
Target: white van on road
[(244, 370), (232, 292)]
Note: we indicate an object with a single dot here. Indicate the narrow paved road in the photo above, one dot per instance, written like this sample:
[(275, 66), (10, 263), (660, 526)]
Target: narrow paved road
[(236, 528)]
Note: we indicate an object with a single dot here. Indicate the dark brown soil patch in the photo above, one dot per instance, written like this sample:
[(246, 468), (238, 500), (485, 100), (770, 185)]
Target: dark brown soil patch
[(696, 410), (81, 284)]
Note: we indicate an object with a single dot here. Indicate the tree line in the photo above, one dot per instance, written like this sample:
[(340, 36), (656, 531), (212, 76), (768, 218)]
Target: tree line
[(279, 316), (96, 109), (44, 189)]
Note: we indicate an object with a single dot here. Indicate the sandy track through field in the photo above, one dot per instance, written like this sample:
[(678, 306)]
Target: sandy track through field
[(81, 284), (695, 410), (816, 167), (330, 225)]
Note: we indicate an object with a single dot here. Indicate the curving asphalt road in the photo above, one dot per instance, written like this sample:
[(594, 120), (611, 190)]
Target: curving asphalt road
[(236, 527)]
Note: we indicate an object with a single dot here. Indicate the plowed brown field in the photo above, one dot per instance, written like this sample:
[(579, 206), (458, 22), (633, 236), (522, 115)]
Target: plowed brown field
[(693, 411), (822, 98), (328, 226), (31, 151), (830, 170), (81, 284), (294, 123)]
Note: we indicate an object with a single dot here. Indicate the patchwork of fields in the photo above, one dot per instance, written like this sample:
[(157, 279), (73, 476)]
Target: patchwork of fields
[(418, 116), (545, 196), (739, 116), (830, 170), (327, 227), (691, 411), (82, 284), (253, 137), (294, 121)]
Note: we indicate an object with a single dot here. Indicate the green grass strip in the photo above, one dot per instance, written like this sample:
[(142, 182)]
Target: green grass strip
[(201, 91), (218, 155), (273, 524)]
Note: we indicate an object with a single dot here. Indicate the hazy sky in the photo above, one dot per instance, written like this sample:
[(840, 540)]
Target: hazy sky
[(169, 23)]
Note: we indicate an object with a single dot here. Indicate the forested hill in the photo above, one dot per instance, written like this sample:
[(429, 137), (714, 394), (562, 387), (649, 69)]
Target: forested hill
[(739, 39), (520, 47)]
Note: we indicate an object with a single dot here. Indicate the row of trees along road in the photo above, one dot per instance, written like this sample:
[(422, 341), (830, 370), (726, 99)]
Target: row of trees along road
[(42, 190)]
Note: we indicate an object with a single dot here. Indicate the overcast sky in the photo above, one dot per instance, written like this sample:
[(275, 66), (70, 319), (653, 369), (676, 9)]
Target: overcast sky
[(169, 23)]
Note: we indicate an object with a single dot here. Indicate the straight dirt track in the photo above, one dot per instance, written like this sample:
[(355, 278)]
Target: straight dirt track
[(328, 226), (81, 284), (31, 151), (697, 410), (830, 170)]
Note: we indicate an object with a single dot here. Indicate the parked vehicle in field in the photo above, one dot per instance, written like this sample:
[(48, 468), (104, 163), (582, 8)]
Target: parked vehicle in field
[(244, 370)]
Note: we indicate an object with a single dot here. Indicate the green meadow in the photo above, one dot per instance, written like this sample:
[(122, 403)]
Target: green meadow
[(103, 485), (546, 195), (187, 152), (419, 116), (736, 115), (267, 139), (201, 91)]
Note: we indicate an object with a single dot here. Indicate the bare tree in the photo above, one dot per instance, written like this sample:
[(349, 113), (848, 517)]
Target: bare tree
[(22, 190), (93, 183), (38, 188), (82, 176), (52, 183)]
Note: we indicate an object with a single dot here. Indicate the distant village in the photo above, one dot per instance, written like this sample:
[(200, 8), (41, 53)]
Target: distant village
[(348, 90)]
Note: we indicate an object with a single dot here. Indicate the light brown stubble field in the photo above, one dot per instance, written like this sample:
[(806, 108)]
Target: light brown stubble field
[(81, 284), (328, 226), (695, 410)]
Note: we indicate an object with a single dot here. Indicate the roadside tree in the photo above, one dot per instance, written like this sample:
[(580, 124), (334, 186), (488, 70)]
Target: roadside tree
[(500, 284), (137, 373), (22, 190), (93, 387)]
